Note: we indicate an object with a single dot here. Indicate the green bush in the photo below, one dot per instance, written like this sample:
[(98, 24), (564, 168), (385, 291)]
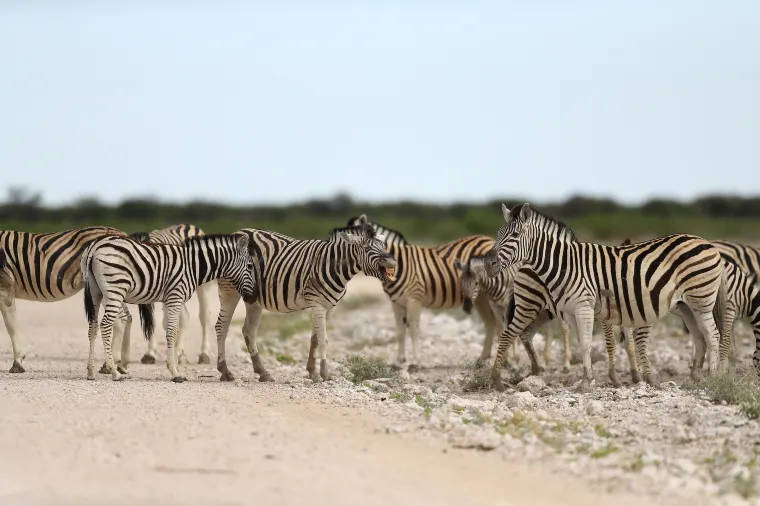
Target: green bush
[(361, 369)]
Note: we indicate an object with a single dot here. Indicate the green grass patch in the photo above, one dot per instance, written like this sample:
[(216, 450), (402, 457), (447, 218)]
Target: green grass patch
[(604, 451), (361, 368), (742, 391), (601, 431), (401, 397), (284, 358)]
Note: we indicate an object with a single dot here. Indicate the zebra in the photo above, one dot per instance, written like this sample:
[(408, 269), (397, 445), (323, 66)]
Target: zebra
[(176, 235), (746, 257), (40, 267), (297, 275), (742, 301), (426, 277), (682, 273), (118, 269), (499, 291)]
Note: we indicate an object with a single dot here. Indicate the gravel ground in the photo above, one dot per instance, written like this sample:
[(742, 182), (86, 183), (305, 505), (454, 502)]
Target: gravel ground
[(408, 439)]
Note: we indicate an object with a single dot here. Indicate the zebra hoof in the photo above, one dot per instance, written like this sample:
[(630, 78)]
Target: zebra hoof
[(499, 385), (203, 358), (537, 370), (179, 379), (120, 377), (90, 375), (585, 386), (104, 369), (16, 368), (413, 368), (635, 377), (122, 369), (226, 376), (265, 377), (615, 382), (148, 359)]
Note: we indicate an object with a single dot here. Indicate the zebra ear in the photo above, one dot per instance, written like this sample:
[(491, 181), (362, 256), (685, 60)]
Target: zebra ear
[(2, 259), (363, 218), (242, 242), (525, 212), (506, 212)]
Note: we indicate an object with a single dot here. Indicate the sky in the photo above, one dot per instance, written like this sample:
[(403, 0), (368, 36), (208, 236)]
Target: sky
[(281, 101)]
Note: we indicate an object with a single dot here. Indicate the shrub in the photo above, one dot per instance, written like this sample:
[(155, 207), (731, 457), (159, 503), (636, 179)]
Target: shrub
[(361, 369)]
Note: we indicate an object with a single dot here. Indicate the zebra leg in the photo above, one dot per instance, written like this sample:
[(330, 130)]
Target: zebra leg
[(184, 320), (113, 307), (698, 340), (319, 322), (584, 321), (548, 337), (92, 330), (252, 319), (413, 319), (487, 314), (712, 338), (641, 337), (527, 340), (205, 293), (756, 354), (228, 300), (126, 319), (399, 313), (506, 339), (8, 309), (727, 344), (119, 328), (172, 311), (566, 345), (631, 352), (609, 342)]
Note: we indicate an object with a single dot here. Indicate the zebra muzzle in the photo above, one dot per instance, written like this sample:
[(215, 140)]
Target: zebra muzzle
[(467, 305), (390, 272)]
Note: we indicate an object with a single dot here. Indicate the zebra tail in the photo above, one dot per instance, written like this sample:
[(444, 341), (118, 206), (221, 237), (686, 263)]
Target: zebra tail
[(89, 307), (146, 319)]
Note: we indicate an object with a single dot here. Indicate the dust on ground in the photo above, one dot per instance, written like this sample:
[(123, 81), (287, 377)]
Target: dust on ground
[(422, 438)]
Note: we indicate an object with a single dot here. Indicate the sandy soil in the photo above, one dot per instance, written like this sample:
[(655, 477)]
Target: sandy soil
[(65, 440)]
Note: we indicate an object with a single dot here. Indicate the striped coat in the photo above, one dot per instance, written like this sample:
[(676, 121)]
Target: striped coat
[(296, 275), (118, 270), (428, 278), (680, 272), (40, 267)]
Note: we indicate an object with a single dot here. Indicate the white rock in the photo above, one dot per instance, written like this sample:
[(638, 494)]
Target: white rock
[(594, 407), (520, 400), (532, 384)]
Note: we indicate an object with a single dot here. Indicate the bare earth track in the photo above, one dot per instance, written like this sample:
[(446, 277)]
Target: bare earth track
[(65, 440)]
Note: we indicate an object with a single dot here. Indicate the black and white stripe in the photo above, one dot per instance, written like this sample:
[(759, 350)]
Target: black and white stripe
[(40, 267), (118, 270), (742, 302), (681, 273), (426, 277), (296, 275), (177, 235)]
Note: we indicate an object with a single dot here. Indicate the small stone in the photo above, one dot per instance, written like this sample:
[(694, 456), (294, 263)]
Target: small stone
[(532, 384), (520, 400), (594, 407)]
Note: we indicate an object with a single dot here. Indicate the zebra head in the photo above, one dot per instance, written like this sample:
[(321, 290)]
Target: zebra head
[(511, 243), (239, 267), (472, 277), (370, 253)]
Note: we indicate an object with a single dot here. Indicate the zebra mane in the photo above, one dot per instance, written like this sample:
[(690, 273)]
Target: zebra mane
[(562, 227), (379, 229), (140, 236), (365, 230), (208, 238)]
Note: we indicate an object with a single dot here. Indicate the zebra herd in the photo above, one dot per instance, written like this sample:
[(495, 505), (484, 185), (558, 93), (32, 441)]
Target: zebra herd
[(534, 272)]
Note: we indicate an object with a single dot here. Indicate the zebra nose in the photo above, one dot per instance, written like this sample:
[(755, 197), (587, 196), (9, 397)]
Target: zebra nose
[(467, 305)]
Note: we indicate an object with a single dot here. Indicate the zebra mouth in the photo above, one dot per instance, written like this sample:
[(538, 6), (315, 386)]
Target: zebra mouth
[(390, 272), (467, 305)]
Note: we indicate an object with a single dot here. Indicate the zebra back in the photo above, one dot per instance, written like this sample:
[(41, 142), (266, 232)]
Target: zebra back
[(746, 257), (46, 267), (173, 234)]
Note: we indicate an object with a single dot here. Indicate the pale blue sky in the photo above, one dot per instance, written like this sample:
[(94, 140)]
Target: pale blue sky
[(251, 102)]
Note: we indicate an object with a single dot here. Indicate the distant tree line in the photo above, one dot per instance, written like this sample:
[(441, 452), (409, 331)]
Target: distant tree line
[(714, 215)]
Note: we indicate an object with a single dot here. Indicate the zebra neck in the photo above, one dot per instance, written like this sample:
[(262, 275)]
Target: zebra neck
[(204, 262), (552, 258)]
